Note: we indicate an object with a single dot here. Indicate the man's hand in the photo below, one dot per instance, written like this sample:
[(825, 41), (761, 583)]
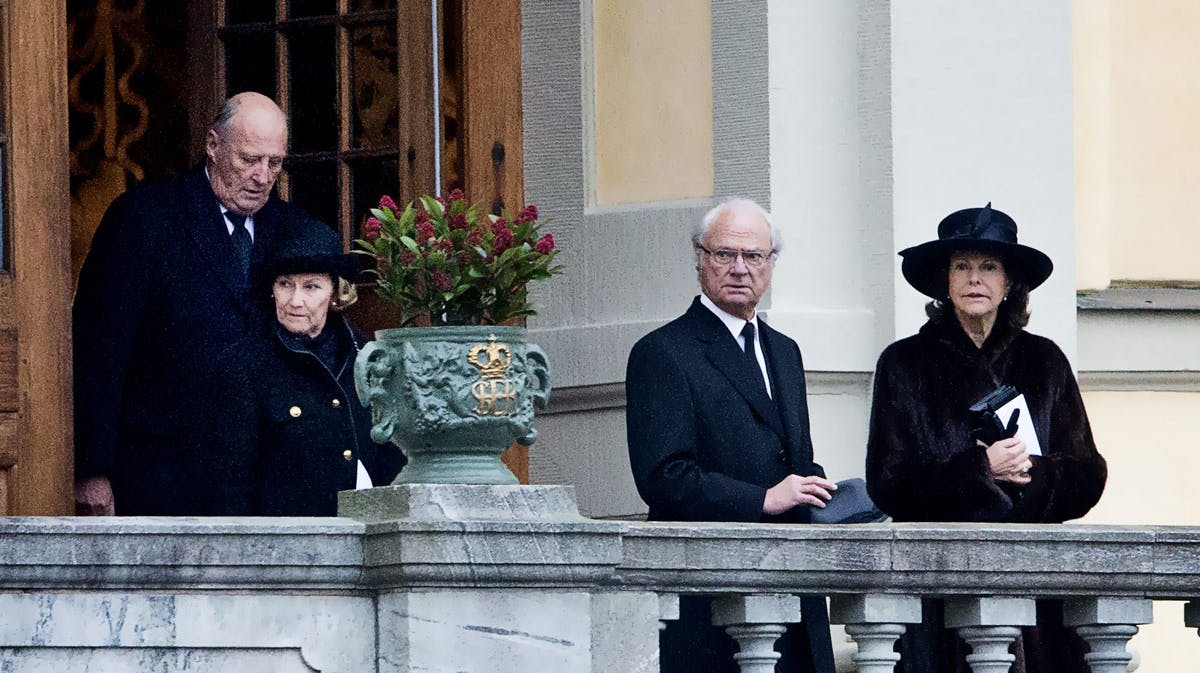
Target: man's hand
[(796, 490), (1009, 461), (94, 497)]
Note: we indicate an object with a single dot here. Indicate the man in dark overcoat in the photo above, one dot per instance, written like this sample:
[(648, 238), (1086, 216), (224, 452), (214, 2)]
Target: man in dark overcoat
[(164, 290), (717, 424)]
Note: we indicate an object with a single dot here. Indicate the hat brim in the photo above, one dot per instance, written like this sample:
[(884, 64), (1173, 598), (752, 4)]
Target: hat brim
[(925, 265), (346, 265)]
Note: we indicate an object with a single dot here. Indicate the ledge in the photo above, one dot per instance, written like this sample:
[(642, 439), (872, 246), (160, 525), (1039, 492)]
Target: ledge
[(340, 556), (1140, 299), (927, 559), (272, 554)]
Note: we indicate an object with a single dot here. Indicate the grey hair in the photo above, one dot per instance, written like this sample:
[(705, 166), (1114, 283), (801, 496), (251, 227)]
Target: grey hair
[(224, 118), (729, 206)]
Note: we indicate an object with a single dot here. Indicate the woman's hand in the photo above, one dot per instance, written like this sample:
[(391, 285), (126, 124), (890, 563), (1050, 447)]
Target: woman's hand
[(1008, 460)]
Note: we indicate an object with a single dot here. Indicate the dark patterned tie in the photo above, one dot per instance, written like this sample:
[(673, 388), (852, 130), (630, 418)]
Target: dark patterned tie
[(241, 241)]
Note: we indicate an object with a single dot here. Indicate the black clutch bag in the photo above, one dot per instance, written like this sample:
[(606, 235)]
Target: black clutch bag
[(987, 426)]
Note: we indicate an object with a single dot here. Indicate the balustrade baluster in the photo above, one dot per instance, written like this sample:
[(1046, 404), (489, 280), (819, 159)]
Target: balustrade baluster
[(756, 621), (990, 625), (875, 621), (1107, 624)]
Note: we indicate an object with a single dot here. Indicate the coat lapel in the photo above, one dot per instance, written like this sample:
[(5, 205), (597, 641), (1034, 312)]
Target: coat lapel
[(721, 350), (788, 392), (207, 229)]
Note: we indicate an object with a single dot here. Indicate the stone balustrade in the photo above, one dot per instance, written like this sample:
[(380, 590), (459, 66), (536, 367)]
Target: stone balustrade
[(497, 579)]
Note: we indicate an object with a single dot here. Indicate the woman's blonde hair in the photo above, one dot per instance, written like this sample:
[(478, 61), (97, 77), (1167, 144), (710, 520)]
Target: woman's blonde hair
[(345, 295)]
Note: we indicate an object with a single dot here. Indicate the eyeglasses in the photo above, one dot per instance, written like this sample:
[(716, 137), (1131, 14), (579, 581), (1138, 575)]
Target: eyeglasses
[(753, 258)]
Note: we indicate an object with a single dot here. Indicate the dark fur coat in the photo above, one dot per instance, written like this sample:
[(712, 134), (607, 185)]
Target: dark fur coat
[(923, 465)]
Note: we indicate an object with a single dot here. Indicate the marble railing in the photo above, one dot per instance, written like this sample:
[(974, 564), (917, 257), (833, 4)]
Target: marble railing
[(498, 579)]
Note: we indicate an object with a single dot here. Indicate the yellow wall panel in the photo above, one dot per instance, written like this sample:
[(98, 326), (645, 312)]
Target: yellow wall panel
[(653, 100), (1137, 140)]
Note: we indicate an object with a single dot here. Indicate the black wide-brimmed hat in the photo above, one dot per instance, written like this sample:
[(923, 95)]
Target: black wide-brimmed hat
[(310, 246), (973, 229)]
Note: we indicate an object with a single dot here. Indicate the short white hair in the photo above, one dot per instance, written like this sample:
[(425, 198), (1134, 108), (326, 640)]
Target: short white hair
[(734, 205)]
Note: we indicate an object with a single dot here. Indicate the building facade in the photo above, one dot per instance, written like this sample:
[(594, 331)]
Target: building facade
[(860, 124)]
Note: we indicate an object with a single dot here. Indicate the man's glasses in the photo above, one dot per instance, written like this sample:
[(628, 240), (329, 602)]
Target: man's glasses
[(753, 258)]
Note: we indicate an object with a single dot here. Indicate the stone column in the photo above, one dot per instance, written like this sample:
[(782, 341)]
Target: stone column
[(990, 625), (625, 627), (1107, 624), (756, 621), (505, 579), (875, 621)]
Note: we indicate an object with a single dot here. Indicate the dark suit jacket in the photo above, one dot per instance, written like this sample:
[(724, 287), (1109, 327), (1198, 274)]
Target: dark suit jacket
[(159, 297), (705, 444)]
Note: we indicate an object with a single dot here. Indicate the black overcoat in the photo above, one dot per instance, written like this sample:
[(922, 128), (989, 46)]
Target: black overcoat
[(160, 295), (705, 444), (923, 465), (293, 430)]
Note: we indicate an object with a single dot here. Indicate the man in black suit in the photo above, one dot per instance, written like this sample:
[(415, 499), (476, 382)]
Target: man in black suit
[(717, 424), (165, 288)]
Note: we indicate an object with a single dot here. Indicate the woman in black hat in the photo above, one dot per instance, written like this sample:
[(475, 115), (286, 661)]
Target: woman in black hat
[(294, 432), (931, 458)]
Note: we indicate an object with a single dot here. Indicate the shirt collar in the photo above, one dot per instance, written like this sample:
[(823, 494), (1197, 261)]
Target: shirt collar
[(732, 323), (249, 218)]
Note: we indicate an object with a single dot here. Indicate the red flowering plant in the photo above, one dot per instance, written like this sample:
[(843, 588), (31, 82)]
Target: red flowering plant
[(442, 261)]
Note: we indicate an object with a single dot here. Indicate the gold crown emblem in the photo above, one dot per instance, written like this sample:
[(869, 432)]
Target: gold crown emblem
[(499, 357)]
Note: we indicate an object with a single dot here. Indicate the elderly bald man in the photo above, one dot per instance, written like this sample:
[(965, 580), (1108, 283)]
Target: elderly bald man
[(165, 288)]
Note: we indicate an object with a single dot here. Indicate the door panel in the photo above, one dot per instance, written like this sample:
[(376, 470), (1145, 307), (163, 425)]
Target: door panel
[(35, 344)]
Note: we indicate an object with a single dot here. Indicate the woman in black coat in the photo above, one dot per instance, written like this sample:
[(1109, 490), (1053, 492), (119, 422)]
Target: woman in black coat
[(296, 433), (926, 460)]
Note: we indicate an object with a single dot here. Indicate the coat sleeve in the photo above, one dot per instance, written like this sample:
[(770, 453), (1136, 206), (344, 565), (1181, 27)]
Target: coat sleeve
[(106, 315), (916, 476), (1069, 477), (663, 436)]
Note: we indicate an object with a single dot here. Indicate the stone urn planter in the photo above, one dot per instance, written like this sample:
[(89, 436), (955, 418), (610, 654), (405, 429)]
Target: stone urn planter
[(453, 398)]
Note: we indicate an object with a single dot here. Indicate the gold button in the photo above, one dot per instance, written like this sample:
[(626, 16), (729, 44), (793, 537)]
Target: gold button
[(337, 404), (295, 412), (347, 454)]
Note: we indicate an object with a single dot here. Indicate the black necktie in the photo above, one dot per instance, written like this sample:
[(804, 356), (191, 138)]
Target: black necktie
[(751, 357), (241, 241)]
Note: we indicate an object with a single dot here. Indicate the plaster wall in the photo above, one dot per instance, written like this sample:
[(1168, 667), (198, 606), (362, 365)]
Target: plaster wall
[(1136, 118), (977, 121), (1138, 125), (653, 100)]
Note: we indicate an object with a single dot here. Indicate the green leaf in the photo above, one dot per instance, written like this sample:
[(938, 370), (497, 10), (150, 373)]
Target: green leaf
[(432, 206), (410, 244)]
